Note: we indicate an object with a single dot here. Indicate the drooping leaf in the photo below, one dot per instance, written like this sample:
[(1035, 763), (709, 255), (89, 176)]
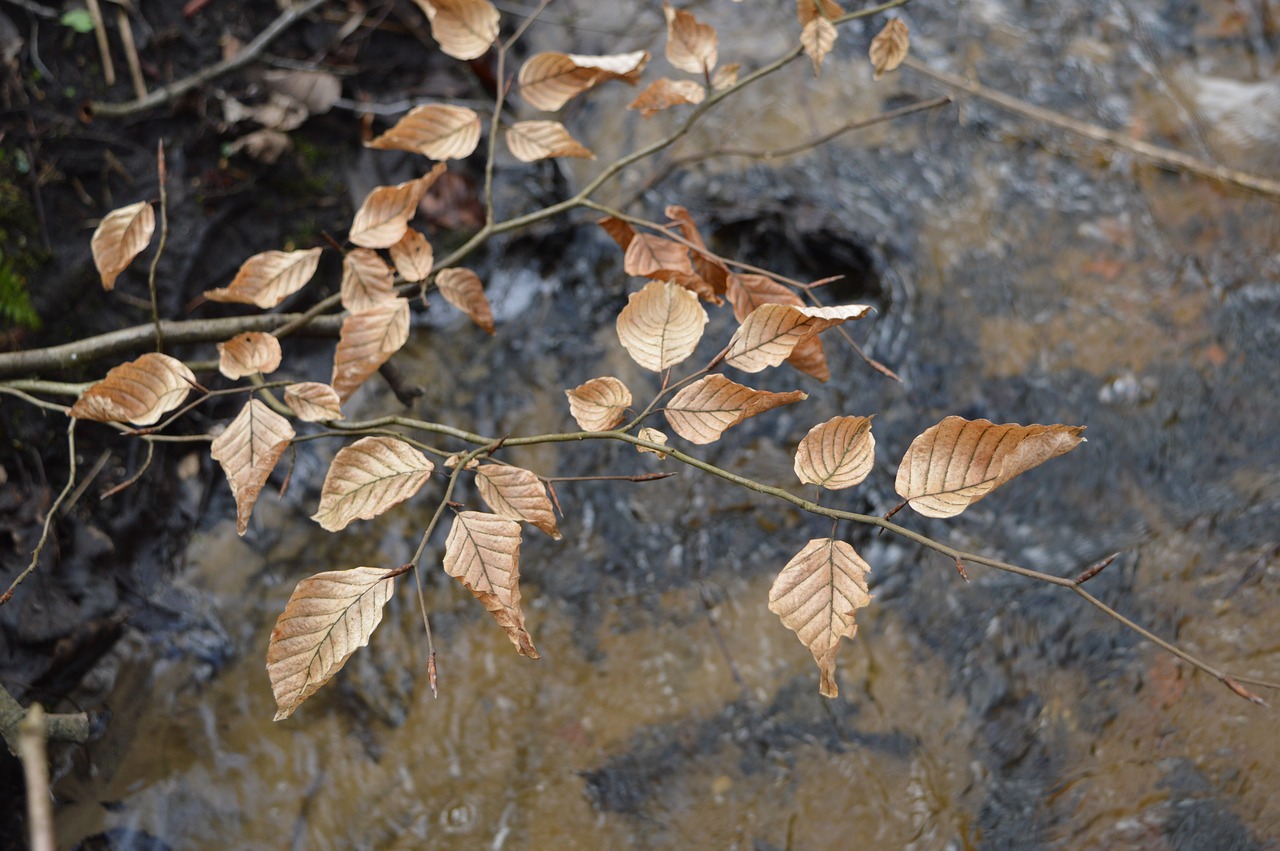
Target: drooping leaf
[(367, 478), (661, 325), (725, 77), (313, 401), (483, 553), (599, 404), (691, 45), (771, 332), (139, 392), (249, 353), (817, 38), (464, 29), (701, 412), (706, 266), (619, 231), (530, 141), (384, 216), (889, 47), (120, 237), (269, 278), (367, 280), (248, 451), (517, 494), (747, 292), (413, 256), (836, 454), (462, 288), (653, 436), (807, 10), (367, 340), (664, 93), (816, 596), (437, 131), (549, 80), (957, 462), (317, 91), (652, 256), (328, 617)]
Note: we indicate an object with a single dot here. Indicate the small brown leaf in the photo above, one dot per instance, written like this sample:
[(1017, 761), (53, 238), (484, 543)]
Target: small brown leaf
[(549, 80), (807, 10), (413, 256), (661, 325), (462, 288), (384, 216), (120, 237), (747, 292), (249, 353), (725, 77), (269, 278), (367, 340), (836, 454), (483, 553), (328, 617), (889, 48), (530, 141), (653, 436), (599, 404), (704, 410), (771, 332), (957, 462), (816, 596), (691, 45), (664, 93), (619, 231), (650, 256), (437, 131), (817, 38), (517, 494), (367, 478), (139, 392), (464, 29), (248, 451), (313, 402), (706, 266), (367, 280)]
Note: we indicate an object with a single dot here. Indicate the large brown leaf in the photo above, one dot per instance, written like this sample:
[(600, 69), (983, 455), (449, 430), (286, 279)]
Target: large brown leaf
[(248, 451), (463, 289), (464, 29), (367, 280), (817, 38), (437, 131), (691, 45), (549, 80), (384, 216), (329, 616), (483, 553), (889, 47), (816, 596), (530, 141), (413, 256), (836, 454), (701, 412), (120, 237), (517, 494), (249, 353), (313, 402), (661, 325), (957, 462), (599, 404), (367, 478), (139, 392), (269, 278), (664, 93), (771, 332), (747, 292), (651, 256), (367, 341)]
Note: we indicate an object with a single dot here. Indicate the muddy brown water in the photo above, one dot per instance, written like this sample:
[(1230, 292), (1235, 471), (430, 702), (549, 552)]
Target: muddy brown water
[(1020, 276)]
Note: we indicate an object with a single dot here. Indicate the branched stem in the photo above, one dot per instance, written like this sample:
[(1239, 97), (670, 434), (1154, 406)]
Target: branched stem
[(49, 516)]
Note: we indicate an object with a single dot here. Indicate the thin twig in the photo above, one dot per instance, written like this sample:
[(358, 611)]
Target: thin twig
[(131, 53), (162, 173), (35, 768), (100, 32), (49, 515), (129, 482)]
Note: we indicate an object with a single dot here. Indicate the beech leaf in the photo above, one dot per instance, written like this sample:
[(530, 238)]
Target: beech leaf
[(664, 93), (384, 216), (661, 325), (816, 596), (653, 436), (747, 292), (249, 353), (701, 412), (550, 80), (817, 38), (725, 77), (367, 478), (367, 340), (650, 256), (706, 266), (313, 401), (836, 454), (771, 332), (413, 256), (269, 278), (248, 451), (957, 462), (120, 237), (530, 141), (328, 617), (517, 494), (462, 288), (599, 404), (691, 45), (464, 29), (437, 131), (367, 280), (889, 47), (807, 10), (483, 553), (139, 392), (619, 231)]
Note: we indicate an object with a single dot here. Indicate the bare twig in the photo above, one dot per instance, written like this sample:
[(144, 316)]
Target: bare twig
[(131, 53), (163, 174), (35, 768), (49, 517), (100, 32)]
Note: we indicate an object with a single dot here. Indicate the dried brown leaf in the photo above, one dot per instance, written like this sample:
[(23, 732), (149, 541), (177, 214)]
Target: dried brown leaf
[(650, 256), (313, 401), (367, 340), (771, 332), (957, 462), (701, 412), (517, 494), (328, 617), (836, 454), (653, 436), (367, 280), (120, 237), (464, 29), (483, 553), (462, 288), (619, 231), (437, 131), (747, 292), (808, 10), (550, 80), (725, 77), (530, 141), (249, 353), (139, 392), (599, 404), (706, 266), (269, 278), (691, 45), (384, 216), (367, 478), (661, 325), (248, 451), (413, 256), (817, 38), (664, 93), (816, 596), (890, 47)]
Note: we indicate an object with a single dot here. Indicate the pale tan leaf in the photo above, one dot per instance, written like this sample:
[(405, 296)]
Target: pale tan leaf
[(464, 29), (517, 494), (706, 266), (413, 256), (661, 325), (318, 91), (120, 237), (313, 401), (248, 451), (890, 47), (265, 145), (771, 332), (483, 553), (549, 80), (691, 45), (816, 596), (384, 216), (651, 256), (367, 280), (599, 404), (747, 292), (462, 288), (530, 141), (619, 231), (328, 617), (957, 462), (701, 412), (664, 93), (817, 38), (437, 131), (836, 454), (139, 392), (808, 10), (653, 436), (725, 77), (269, 278), (367, 478), (367, 340), (249, 353)]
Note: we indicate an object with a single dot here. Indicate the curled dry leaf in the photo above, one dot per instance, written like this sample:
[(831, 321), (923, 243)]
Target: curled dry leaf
[(249, 353), (483, 553), (269, 278), (120, 237), (413, 256), (957, 462), (248, 451), (701, 412), (771, 332), (384, 216), (599, 404), (530, 141), (367, 478), (889, 48), (816, 596), (550, 80), (653, 436), (650, 256), (619, 231), (367, 280), (691, 45), (661, 325), (817, 38), (313, 401), (464, 29), (139, 392), (328, 617), (747, 292), (664, 93), (437, 131), (517, 494), (836, 454), (725, 77), (808, 10), (462, 288), (706, 265), (367, 340)]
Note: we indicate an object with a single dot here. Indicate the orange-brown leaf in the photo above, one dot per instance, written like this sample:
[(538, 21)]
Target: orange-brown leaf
[(890, 47), (384, 216), (530, 141), (462, 288), (367, 478), (248, 451), (599, 404), (701, 412), (664, 93), (413, 256), (367, 340), (807, 10), (619, 231), (437, 131), (661, 325), (771, 332), (705, 265), (836, 454), (483, 553), (139, 392), (367, 280), (650, 256), (550, 80), (120, 237), (269, 278), (817, 38), (249, 353), (747, 292), (691, 45), (313, 401), (464, 29), (517, 494)]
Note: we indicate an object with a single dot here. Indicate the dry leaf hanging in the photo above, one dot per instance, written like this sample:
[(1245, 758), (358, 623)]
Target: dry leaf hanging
[(367, 341), (619, 231), (384, 216), (691, 45), (725, 77), (664, 93), (747, 292), (483, 553), (367, 280), (464, 29), (248, 451), (413, 256), (269, 278), (650, 256), (249, 353), (599, 404), (889, 48), (120, 237), (836, 454), (517, 494), (462, 288), (701, 412), (706, 265), (549, 80), (530, 141), (771, 332), (661, 325), (652, 435), (437, 131), (138, 392), (367, 478), (817, 38), (313, 401), (808, 10)]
